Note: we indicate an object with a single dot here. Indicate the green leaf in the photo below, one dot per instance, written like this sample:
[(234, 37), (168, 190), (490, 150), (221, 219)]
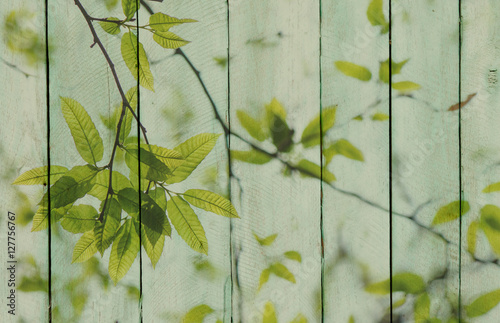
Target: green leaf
[(346, 149), (75, 184), (85, 248), (293, 255), (169, 40), (153, 250), (159, 196), (251, 156), (131, 97), (38, 176), (492, 188), (308, 168), (490, 224), (280, 270), (274, 108), (129, 200), (86, 137), (129, 52), (130, 7), (110, 4), (267, 241), (252, 126), (154, 220), (376, 16), (197, 314), (110, 27), (378, 116), (41, 217), (405, 86), (194, 150), (80, 218), (171, 158), (101, 182), (124, 251), (359, 72), (472, 237), (450, 212), (187, 224), (151, 167), (422, 308), (384, 69), (351, 319), (210, 202), (264, 277), (269, 314), (311, 135), (163, 22), (483, 304), (300, 319), (105, 232), (404, 282), (281, 134)]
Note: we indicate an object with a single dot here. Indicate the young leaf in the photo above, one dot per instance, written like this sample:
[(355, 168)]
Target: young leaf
[(85, 248), (171, 158), (492, 188), (105, 232), (101, 182), (269, 314), (194, 150), (267, 241), (293, 255), (274, 108), (450, 212), (129, 52), (483, 304), (301, 319), (131, 97), (187, 224), (130, 7), (88, 142), (359, 72), (308, 168), (264, 277), (169, 40), (210, 202), (80, 218), (75, 184), (375, 14), (151, 167), (163, 22), (378, 116), (110, 27), (38, 176), (280, 270), (41, 217), (346, 149), (197, 314), (422, 308), (311, 135), (405, 86), (281, 134), (490, 223), (123, 252), (351, 319), (153, 250), (472, 237), (384, 69), (252, 126), (252, 157), (403, 282)]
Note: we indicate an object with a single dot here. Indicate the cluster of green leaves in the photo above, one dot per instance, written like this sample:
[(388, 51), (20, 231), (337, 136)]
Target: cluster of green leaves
[(159, 167), (269, 315), (159, 26), (276, 267), (272, 126)]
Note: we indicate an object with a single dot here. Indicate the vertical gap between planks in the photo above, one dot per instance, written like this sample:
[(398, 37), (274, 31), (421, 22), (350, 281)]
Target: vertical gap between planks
[(139, 157), (322, 279), (47, 89), (460, 160), (390, 158)]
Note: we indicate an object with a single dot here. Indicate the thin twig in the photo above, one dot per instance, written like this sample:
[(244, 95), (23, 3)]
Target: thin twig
[(15, 67)]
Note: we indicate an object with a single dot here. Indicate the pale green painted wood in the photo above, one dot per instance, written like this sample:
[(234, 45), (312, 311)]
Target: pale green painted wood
[(480, 146), (425, 147), (81, 73), (178, 110), (356, 234), (23, 147), (274, 53)]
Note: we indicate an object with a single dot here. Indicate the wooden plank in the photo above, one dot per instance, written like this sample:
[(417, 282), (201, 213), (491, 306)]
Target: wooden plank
[(23, 147), (479, 129), (356, 233), (274, 61), (425, 159), (184, 280), (84, 291)]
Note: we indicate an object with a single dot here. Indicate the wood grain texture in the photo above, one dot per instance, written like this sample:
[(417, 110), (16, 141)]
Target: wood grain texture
[(425, 159), (23, 146), (274, 54), (356, 233)]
